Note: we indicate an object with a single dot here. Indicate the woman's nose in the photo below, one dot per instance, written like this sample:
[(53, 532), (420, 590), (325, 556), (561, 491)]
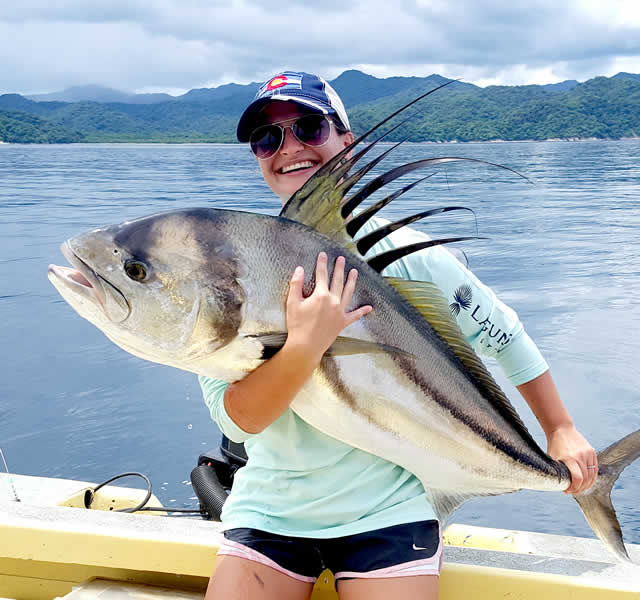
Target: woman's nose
[(290, 144)]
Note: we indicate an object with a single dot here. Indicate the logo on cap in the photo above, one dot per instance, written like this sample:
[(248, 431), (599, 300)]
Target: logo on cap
[(277, 82)]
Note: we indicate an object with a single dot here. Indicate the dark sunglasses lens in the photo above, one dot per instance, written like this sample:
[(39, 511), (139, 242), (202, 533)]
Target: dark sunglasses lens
[(266, 140), (313, 130)]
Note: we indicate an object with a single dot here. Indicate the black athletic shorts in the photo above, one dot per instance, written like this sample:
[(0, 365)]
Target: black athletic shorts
[(396, 551)]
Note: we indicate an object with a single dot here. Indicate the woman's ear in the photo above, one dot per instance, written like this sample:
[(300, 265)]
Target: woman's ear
[(347, 138)]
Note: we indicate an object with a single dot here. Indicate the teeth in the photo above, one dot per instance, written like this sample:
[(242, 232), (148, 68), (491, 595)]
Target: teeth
[(299, 165)]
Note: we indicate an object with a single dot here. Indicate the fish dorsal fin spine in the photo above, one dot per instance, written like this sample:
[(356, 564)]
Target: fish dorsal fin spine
[(321, 203), (427, 298)]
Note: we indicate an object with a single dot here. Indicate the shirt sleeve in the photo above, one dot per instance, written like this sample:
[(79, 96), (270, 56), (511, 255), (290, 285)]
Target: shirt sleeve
[(213, 391), (491, 327)]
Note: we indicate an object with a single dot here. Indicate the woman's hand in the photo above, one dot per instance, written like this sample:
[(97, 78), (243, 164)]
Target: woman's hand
[(568, 445), (313, 323)]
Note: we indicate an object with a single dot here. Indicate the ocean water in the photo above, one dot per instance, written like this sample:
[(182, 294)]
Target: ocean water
[(563, 250)]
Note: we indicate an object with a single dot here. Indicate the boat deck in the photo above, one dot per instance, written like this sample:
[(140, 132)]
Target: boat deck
[(48, 547)]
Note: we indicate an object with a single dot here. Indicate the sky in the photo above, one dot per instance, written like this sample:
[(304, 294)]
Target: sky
[(175, 45)]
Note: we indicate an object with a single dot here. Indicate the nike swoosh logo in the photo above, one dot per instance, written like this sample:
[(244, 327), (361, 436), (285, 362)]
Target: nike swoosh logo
[(418, 548)]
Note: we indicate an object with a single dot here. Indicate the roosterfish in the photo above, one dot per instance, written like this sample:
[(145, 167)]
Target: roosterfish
[(204, 290)]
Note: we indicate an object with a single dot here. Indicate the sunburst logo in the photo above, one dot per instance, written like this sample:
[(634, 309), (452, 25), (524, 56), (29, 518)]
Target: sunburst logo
[(461, 300), (277, 82)]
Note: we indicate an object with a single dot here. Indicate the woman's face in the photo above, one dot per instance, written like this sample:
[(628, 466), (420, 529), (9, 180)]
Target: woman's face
[(289, 168)]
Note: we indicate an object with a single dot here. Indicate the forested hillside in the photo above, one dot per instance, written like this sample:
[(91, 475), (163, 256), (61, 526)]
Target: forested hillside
[(599, 108), (21, 128)]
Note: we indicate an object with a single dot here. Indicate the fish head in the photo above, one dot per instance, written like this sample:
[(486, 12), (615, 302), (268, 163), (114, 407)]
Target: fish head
[(164, 288)]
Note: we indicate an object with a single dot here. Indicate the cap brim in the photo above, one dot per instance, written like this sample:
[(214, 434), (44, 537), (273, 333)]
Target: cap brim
[(249, 118)]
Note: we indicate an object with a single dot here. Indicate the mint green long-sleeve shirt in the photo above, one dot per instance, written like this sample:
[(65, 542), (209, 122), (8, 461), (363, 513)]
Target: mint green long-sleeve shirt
[(301, 482)]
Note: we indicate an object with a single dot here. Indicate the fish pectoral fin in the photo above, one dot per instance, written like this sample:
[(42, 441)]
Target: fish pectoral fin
[(272, 342), (344, 346), (444, 504)]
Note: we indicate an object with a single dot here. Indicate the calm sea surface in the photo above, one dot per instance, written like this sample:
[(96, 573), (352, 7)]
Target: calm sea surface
[(564, 251)]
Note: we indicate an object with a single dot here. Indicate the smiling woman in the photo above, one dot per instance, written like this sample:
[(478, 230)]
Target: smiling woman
[(335, 491), (296, 160), (293, 137), (198, 289)]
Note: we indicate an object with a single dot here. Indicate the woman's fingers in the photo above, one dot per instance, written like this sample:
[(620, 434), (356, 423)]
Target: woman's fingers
[(347, 294), (583, 473), (337, 279), (349, 288), (356, 314), (577, 476), (569, 446), (341, 289), (322, 275), (591, 469), (296, 284)]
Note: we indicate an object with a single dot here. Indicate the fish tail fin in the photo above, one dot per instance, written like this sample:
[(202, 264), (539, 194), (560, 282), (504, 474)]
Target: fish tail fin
[(596, 501)]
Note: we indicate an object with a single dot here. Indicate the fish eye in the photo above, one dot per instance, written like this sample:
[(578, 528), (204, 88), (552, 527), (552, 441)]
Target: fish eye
[(135, 270)]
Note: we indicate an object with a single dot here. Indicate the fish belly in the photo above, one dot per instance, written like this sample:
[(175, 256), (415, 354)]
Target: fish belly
[(374, 408)]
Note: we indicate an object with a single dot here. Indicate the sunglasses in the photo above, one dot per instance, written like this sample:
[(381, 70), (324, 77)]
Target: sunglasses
[(311, 130)]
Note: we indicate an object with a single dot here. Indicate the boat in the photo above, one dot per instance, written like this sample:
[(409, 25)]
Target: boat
[(52, 546)]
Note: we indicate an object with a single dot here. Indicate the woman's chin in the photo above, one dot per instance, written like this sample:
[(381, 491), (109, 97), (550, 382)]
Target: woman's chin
[(289, 183)]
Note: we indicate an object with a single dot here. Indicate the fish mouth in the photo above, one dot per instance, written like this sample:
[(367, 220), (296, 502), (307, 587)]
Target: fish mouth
[(87, 283)]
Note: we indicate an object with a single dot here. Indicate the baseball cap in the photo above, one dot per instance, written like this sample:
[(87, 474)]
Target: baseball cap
[(303, 88)]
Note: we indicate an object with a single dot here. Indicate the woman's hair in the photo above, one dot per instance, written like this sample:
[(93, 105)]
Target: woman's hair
[(340, 128)]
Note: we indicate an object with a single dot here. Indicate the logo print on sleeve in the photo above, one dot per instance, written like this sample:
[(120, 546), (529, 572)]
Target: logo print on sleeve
[(461, 299)]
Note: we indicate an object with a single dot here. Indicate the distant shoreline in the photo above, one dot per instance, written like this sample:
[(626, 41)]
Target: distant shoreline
[(587, 139), (384, 143)]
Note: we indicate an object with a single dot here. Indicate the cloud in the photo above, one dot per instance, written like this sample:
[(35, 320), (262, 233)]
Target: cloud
[(181, 44)]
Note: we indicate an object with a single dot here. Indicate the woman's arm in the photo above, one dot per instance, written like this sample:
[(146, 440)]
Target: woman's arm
[(313, 324), (564, 441)]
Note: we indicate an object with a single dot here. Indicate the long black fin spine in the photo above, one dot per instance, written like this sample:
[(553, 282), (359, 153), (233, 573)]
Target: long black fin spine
[(336, 159), (348, 183), (367, 242), (354, 223), (310, 186), (375, 184), (343, 169), (379, 262)]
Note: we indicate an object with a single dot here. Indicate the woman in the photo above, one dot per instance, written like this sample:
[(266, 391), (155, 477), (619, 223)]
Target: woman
[(305, 501)]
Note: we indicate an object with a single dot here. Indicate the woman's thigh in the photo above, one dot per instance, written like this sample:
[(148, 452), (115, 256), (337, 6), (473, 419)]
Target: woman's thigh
[(417, 587), (240, 579)]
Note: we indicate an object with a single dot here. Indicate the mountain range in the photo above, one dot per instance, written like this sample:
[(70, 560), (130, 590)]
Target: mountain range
[(601, 107)]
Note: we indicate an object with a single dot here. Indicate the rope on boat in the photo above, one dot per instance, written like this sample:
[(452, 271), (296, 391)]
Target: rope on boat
[(9, 478), (90, 494)]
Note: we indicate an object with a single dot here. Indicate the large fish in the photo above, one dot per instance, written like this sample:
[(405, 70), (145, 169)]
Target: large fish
[(204, 290)]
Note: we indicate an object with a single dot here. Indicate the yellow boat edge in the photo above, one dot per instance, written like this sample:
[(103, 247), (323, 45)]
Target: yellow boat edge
[(49, 548)]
